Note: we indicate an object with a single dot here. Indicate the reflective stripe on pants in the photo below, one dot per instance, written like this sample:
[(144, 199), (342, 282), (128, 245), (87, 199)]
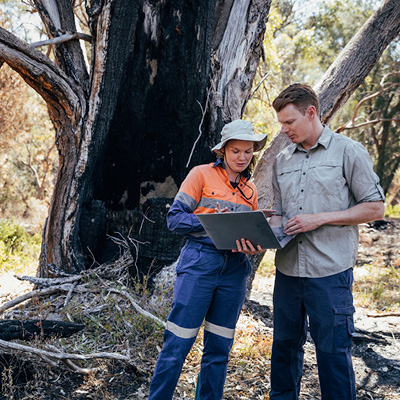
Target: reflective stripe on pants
[(210, 285)]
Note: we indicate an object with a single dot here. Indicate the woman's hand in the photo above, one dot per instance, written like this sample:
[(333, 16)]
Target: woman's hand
[(246, 247), (219, 210), (268, 213)]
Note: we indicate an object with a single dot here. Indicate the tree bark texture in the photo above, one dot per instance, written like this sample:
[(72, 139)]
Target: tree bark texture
[(129, 130)]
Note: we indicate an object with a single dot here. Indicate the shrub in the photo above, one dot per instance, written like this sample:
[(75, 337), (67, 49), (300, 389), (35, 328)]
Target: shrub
[(392, 211), (17, 248)]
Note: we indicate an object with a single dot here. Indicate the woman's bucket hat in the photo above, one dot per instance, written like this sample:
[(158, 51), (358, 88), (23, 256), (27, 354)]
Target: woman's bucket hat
[(240, 130)]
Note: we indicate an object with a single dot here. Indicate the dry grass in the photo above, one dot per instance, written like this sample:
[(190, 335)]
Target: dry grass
[(376, 287)]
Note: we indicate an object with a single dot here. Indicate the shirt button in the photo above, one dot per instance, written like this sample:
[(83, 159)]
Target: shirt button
[(300, 241), (307, 156), (302, 190), (301, 208), (233, 193), (304, 173)]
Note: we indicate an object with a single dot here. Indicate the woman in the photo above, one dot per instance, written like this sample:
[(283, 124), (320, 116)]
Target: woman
[(210, 283)]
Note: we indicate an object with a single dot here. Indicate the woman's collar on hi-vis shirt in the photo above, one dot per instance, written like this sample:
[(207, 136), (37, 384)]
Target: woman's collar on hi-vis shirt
[(220, 162)]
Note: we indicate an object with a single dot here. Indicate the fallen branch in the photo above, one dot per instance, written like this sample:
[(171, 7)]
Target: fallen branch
[(73, 367), (61, 355), (30, 329), (384, 315), (26, 296), (47, 282), (137, 307)]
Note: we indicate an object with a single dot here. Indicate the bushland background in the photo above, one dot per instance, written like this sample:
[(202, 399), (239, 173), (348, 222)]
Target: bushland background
[(301, 41)]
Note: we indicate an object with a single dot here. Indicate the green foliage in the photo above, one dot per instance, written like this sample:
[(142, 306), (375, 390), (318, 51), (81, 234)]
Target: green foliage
[(392, 211), (17, 248)]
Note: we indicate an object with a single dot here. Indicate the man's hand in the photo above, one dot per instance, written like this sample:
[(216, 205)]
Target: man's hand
[(302, 223), (246, 247)]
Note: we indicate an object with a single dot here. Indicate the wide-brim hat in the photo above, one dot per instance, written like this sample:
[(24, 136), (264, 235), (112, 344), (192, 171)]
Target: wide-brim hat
[(240, 130)]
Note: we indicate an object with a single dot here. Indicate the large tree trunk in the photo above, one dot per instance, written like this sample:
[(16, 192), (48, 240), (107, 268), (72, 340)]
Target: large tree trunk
[(129, 131)]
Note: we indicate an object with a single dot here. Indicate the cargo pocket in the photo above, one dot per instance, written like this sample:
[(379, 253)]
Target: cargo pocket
[(344, 327)]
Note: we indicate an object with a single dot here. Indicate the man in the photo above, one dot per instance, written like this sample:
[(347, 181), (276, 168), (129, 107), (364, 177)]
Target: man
[(324, 186)]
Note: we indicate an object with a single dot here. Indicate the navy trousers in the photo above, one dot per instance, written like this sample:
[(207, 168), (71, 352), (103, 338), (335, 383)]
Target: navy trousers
[(210, 286), (328, 303)]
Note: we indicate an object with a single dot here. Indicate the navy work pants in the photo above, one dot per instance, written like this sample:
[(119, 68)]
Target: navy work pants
[(328, 303), (210, 286)]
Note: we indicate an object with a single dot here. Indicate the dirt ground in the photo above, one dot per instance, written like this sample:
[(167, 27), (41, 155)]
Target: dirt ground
[(376, 348)]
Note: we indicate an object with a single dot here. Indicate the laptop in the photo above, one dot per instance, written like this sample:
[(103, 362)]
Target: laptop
[(225, 228)]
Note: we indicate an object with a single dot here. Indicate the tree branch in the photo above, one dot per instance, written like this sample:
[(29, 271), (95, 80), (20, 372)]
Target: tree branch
[(58, 90), (358, 58), (61, 355), (346, 127), (63, 38)]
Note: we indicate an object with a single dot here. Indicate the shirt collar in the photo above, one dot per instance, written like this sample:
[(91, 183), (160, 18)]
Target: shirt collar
[(323, 140), (220, 162)]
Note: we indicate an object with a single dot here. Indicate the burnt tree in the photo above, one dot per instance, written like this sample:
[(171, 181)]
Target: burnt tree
[(163, 79), (131, 125)]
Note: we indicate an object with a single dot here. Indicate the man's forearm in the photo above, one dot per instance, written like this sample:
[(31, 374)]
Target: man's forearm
[(359, 214)]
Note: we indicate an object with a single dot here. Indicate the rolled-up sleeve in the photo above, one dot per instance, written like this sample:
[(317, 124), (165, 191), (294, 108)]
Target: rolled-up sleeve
[(359, 173)]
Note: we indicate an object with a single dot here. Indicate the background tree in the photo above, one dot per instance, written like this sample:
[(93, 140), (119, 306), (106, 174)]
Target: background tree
[(27, 160), (328, 30), (375, 122)]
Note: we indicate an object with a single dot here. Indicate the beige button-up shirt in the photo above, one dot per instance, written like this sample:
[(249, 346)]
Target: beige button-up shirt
[(334, 175)]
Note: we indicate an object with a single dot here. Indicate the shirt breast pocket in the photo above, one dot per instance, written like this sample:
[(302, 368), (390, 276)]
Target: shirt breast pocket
[(289, 181), (211, 196), (326, 178)]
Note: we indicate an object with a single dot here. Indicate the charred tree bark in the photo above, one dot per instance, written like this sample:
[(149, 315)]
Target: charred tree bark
[(31, 329), (141, 118)]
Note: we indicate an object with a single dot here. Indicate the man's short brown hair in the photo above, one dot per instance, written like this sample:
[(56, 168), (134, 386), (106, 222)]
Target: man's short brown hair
[(300, 95)]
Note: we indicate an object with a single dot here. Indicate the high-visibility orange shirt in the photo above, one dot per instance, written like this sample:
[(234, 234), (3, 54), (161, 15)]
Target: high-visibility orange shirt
[(204, 186)]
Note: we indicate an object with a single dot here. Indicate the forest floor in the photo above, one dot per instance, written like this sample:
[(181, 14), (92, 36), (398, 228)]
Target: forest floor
[(376, 345)]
